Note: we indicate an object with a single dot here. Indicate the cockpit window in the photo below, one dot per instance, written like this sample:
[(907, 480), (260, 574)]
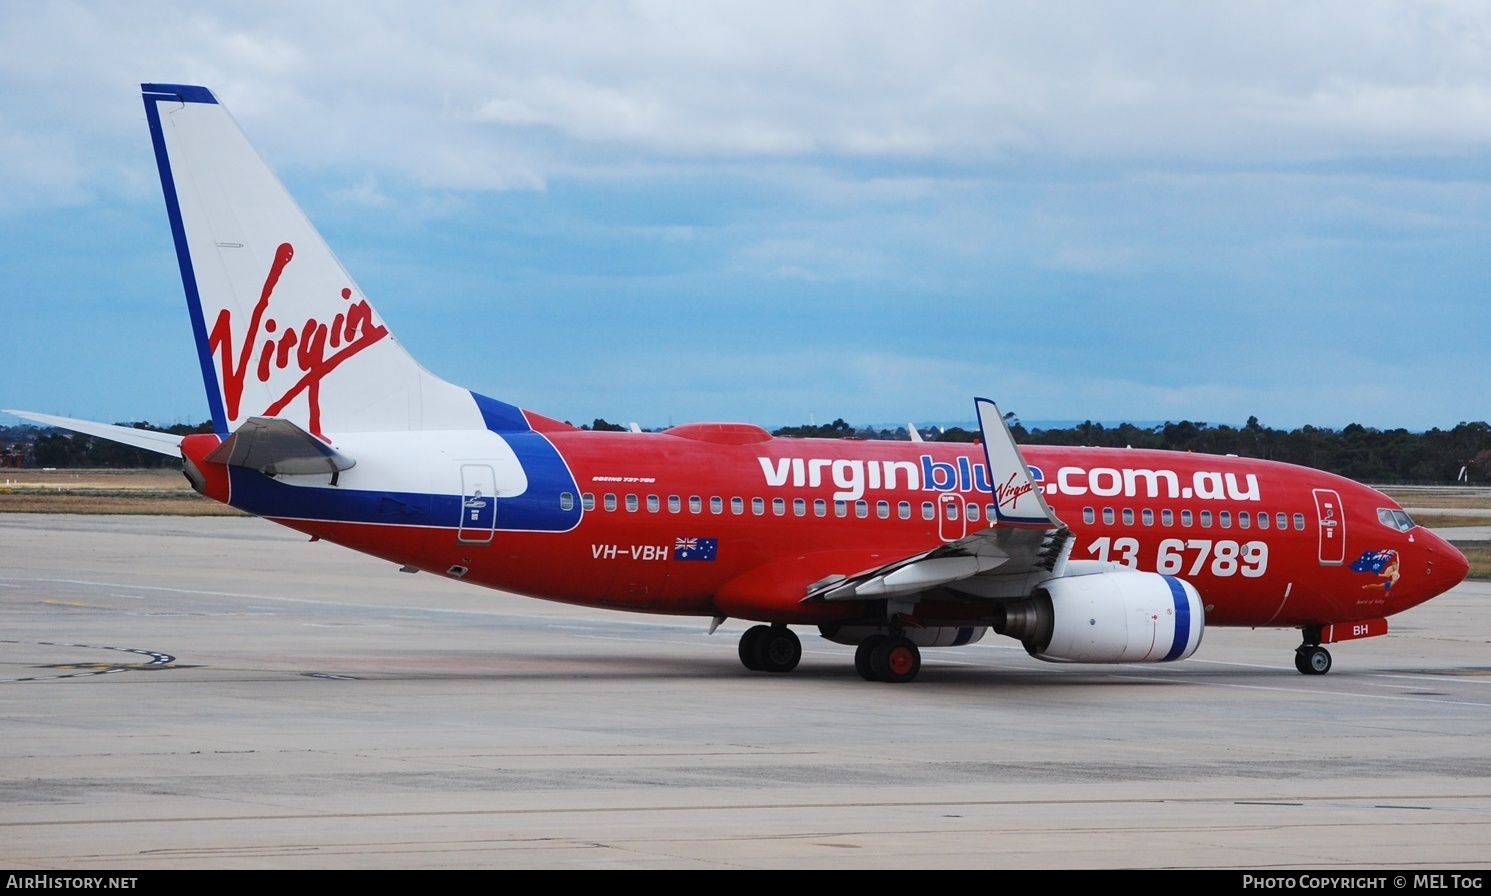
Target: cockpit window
[(1394, 519)]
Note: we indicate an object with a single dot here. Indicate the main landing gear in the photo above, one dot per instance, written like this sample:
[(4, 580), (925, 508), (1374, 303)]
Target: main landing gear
[(889, 658), (770, 648), (774, 648)]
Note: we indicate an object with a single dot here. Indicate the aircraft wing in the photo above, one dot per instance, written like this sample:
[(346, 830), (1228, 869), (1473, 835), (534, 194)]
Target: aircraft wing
[(149, 440), (1024, 545)]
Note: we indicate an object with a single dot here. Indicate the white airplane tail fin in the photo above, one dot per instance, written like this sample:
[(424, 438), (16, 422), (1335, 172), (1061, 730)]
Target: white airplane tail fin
[(281, 329), (1017, 496)]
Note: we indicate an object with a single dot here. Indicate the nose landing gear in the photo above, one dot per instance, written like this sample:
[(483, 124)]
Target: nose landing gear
[(1312, 659)]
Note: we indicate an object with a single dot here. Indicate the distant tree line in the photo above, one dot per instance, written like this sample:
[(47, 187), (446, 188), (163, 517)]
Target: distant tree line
[(34, 446), (1357, 452)]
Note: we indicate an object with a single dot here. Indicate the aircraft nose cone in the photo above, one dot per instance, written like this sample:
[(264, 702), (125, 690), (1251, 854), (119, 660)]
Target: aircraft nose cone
[(1448, 561)]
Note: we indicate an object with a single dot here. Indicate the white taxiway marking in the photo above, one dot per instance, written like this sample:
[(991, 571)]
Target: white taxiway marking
[(1317, 693)]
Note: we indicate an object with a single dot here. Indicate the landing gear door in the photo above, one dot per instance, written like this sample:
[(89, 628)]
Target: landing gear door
[(1332, 521), (478, 504)]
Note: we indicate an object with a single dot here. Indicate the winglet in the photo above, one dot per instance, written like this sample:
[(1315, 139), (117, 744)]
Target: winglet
[(1017, 497)]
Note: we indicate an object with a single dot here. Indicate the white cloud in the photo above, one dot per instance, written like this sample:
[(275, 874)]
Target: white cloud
[(434, 94), (1102, 175)]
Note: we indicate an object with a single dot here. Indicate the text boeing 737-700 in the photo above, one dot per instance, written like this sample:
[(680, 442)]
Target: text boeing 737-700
[(324, 423)]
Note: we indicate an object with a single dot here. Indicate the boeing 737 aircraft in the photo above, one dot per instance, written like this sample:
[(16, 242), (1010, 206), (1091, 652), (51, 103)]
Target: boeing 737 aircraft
[(325, 424)]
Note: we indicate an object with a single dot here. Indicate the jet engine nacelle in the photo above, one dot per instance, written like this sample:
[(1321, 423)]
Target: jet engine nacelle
[(1112, 617)]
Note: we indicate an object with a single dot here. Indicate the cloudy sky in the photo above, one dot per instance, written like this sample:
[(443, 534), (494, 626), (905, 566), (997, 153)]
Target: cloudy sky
[(666, 212)]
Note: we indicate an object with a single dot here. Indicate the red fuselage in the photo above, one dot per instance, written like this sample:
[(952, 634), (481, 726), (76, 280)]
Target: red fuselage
[(1265, 544)]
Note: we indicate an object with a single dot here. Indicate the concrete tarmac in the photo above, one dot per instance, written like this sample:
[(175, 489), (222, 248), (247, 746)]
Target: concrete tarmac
[(219, 693)]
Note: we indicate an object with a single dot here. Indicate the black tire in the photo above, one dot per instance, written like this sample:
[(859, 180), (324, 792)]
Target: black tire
[(749, 655), (1312, 660), (862, 654), (896, 660), (778, 650)]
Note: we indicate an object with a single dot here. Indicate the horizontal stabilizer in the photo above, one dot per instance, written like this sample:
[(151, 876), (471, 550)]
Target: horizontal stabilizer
[(278, 447), (148, 440)]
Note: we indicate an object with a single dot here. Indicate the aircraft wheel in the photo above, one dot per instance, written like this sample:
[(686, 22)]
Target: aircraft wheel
[(896, 660), (777, 649), (1312, 660), (862, 657), (749, 655)]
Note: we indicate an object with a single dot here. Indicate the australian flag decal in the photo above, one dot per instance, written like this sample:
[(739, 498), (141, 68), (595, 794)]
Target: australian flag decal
[(1374, 561), (695, 548)]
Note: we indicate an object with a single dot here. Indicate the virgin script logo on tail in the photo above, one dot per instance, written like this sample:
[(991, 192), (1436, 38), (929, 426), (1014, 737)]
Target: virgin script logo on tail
[(1009, 494), (305, 345)]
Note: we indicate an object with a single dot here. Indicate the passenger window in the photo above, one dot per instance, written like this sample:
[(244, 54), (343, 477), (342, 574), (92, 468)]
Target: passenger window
[(1107, 516), (972, 511), (1281, 520), (1225, 518), (653, 504), (1244, 521), (1206, 519), (799, 507), (566, 501), (779, 506), (1263, 521), (1299, 521), (952, 510), (1089, 516), (674, 504), (737, 506), (610, 501), (758, 506), (862, 509), (927, 512), (841, 508), (1167, 518), (820, 507), (1128, 516), (1185, 518), (716, 505), (1147, 517), (631, 503), (989, 513), (904, 510), (696, 504), (587, 501)]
